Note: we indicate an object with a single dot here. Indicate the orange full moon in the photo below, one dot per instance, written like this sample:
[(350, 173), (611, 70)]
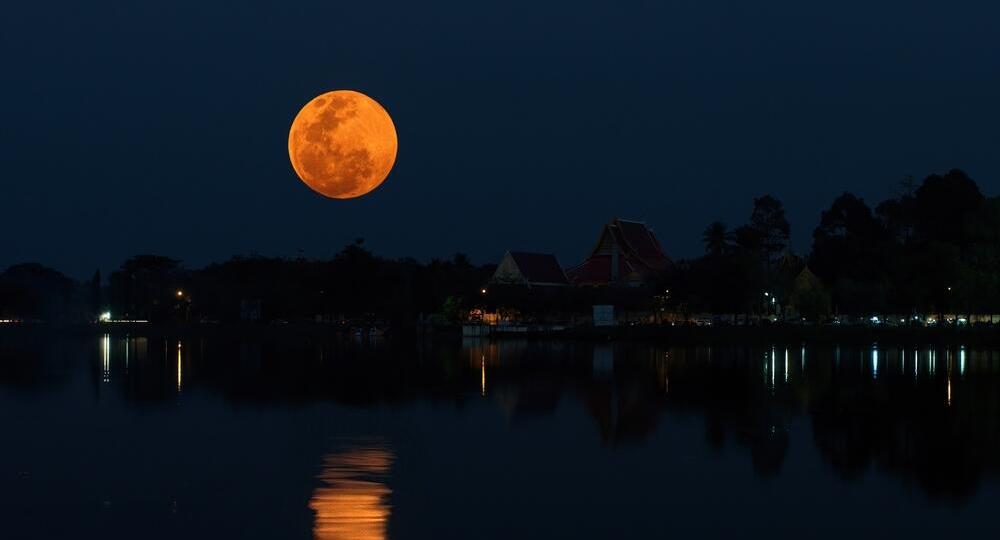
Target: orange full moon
[(342, 144)]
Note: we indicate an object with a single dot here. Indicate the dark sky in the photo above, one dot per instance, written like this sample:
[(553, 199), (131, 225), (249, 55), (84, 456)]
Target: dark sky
[(161, 127)]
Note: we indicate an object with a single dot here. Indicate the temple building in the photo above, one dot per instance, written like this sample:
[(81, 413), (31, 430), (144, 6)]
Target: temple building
[(807, 297), (626, 253), (530, 269)]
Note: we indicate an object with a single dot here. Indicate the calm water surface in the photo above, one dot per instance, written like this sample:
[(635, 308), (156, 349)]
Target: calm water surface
[(149, 438)]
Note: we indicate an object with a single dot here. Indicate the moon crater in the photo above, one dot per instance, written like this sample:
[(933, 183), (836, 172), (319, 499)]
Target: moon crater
[(342, 144)]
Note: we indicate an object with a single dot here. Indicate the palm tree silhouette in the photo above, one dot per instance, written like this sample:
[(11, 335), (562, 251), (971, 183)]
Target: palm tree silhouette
[(716, 238)]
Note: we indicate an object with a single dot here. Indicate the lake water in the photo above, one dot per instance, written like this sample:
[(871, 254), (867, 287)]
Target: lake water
[(115, 437)]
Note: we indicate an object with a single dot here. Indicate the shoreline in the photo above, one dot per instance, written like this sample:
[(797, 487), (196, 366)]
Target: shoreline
[(682, 335)]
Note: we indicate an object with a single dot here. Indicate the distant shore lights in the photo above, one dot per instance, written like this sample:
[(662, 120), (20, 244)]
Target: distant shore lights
[(106, 317)]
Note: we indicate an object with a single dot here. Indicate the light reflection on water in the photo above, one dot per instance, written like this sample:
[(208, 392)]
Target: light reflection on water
[(874, 362), (116, 353), (739, 415), (106, 358), (180, 363), (885, 366), (353, 501)]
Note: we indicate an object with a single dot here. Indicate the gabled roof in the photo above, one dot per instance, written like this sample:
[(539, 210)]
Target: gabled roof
[(540, 267), (642, 242), (629, 244), (807, 279), (530, 269), (595, 270)]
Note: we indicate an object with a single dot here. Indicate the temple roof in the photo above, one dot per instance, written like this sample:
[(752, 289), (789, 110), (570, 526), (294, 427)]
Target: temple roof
[(632, 246), (643, 244), (531, 269)]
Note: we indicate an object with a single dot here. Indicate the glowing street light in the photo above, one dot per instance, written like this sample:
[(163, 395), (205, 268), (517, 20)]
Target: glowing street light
[(180, 293)]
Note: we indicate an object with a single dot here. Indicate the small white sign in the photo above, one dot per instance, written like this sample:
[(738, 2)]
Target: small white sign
[(604, 315)]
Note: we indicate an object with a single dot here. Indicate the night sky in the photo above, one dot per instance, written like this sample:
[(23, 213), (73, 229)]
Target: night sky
[(161, 127)]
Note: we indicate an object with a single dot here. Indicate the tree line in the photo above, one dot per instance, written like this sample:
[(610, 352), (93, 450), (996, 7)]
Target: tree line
[(354, 284), (933, 248)]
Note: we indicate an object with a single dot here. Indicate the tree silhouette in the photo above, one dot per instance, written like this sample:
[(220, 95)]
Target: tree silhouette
[(716, 239), (96, 296), (32, 291), (848, 253), (770, 226)]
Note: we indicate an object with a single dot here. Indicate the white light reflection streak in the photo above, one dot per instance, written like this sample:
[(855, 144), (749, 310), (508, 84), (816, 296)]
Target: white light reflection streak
[(106, 358), (179, 366), (874, 362), (772, 368), (786, 366)]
